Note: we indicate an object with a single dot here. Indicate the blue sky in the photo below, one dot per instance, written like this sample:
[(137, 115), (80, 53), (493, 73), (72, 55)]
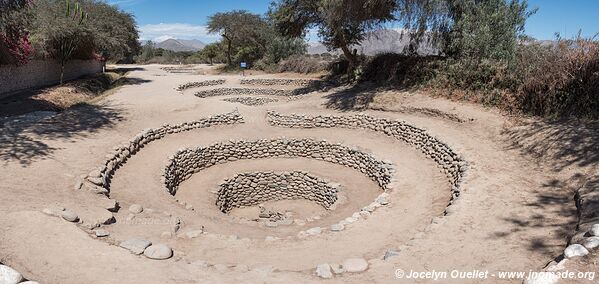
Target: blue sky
[(186, 19)]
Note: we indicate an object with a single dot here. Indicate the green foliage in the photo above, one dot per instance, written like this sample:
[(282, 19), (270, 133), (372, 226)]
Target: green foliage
[(213, 51), (240, 30), (340, 23), (115, 34)]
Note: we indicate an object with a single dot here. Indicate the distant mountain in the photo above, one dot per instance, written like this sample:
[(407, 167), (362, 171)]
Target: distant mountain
[(376, 42), (181, 45)]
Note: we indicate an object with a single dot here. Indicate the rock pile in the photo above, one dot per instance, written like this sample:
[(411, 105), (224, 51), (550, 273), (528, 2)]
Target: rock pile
[(280, 82), (452, 164), (250, 101), (249, 189), (98, 181), (247, 91), (200, 84), (188, 161)]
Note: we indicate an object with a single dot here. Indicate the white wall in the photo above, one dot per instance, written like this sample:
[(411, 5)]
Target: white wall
[(41, 73)]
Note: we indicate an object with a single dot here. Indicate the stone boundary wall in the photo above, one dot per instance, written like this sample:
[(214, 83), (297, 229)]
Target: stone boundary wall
[(200, 84), (98, 181), (250, 101), (188, 161), (452, 164), (247, 91), (280, 82), (587, 205), (42, 73), (249, 189)]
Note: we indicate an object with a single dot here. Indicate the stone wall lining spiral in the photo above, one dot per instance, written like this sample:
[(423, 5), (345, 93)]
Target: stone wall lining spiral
[(451, 163), (281, 82), (188, 161), (98, 181), (206, 83), (253, 188)]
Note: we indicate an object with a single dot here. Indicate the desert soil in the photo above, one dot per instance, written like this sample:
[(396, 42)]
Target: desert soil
[(515, 212)]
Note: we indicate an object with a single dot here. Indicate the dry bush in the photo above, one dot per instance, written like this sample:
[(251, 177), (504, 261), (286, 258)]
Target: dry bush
[(302, 64), (402, 70), (560, 80)]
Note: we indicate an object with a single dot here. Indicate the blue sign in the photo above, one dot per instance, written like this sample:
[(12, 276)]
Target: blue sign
[(244, 65)]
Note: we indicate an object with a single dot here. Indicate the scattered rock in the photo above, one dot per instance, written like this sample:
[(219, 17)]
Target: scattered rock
[(69, 216), (594, 230), (158, 251), (575, 250), (314, 231), (337, 268), (591, 243), (354, 265), (9, 275), (136, 209), (337, 227), (136, 246), (166, 235), (324, 271), (270, 238), (100, 233), (389, 254)]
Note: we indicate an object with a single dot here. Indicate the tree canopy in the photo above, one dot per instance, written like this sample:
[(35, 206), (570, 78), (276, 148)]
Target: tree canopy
[(340, 23)]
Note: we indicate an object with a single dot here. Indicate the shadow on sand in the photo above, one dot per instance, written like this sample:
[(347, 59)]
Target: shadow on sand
[(25, 141)]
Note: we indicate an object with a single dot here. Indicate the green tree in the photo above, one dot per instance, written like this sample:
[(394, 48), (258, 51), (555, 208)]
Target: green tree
[(475, 29), (211, 51), (340, 23), (115, 33), (62, 29), (239, 29)]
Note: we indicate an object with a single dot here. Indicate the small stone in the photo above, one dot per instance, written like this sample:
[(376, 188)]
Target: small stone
[(299, 222), (337, 268), (337, 227), (314, 231), (166, 235), (136, 246), (575, 250), (136, 209), (9, 275), (594, 230), (189, 207), (354, 265), (591, 243), (324, 271), (389, 254), (100, 233), (158, 251), (270, 238), (69, 216)]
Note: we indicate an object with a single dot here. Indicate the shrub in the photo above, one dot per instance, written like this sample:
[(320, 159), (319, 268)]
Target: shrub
[(302, 64)]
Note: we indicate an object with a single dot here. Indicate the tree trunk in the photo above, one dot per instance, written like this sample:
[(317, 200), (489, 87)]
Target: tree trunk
[(211, 61), (61, 72), (351, 59)]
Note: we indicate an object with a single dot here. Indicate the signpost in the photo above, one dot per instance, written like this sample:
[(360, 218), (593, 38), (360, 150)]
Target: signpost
[(243, 66)]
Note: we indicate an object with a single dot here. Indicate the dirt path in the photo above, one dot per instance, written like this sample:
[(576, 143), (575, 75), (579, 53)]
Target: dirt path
[(510, 216)]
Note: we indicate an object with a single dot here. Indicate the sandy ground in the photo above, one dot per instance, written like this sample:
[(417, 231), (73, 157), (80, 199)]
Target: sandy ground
[(511, 216)]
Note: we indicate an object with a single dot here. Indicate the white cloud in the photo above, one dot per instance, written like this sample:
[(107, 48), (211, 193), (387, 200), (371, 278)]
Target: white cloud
[(163, 31)]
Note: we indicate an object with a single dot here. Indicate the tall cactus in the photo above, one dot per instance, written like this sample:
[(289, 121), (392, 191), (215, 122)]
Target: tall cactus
[(67, 44)]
